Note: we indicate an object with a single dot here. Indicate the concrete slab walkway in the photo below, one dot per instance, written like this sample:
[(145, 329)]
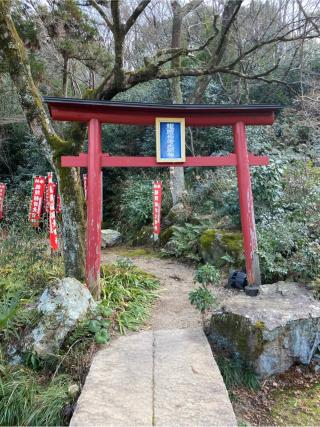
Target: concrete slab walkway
[(166, 376), (155, 378)]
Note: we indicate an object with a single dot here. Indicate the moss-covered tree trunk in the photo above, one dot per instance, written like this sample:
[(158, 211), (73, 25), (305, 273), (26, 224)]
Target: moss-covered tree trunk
[(73, 221), (73, 214)]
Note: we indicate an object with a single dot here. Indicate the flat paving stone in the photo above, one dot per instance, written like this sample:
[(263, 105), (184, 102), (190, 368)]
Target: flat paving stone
[(155, 378), (119, 387), (189, 389)]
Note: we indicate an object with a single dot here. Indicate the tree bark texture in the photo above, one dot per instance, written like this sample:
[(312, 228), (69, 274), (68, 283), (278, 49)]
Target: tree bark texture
[(73, 214)]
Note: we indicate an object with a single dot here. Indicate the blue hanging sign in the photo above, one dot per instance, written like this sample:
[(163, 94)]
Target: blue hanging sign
[(170, 140)]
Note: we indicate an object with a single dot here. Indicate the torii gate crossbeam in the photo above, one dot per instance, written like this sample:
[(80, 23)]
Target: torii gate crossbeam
[(95, 113)]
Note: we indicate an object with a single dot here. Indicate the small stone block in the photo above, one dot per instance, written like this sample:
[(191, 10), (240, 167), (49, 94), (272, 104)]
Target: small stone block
[(252, 291)]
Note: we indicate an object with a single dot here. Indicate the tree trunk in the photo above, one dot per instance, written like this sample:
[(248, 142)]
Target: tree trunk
[(73, 216), (177, 182), (73, 221), (65, 75)]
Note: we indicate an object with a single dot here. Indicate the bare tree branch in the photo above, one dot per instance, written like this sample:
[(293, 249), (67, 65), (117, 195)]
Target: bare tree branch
[(282, 38), (230, 12), (308, 18), (135, 14), (102, 13)]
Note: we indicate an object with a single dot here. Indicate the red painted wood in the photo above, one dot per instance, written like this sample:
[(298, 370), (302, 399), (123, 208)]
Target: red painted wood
[(193, 117), (94, 211), (246, 205), (149, 162)]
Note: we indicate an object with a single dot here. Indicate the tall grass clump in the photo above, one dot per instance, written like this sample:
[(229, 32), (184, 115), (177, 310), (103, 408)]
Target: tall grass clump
[(236, 373), (26, 262), (129, 293), (26, 399)]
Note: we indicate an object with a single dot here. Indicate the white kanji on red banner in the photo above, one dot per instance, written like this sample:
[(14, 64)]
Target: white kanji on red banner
[(51, 189), (3, 189), (157, 198), (39, 183)]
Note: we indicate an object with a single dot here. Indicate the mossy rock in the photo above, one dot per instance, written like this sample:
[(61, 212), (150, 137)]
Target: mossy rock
[(238, 335), (216, 243), (178, 214), (166, 235), (144, 236)]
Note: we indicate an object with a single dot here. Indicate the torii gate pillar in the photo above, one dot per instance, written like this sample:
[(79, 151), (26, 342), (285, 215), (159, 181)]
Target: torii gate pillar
[(94, 207), (248, 224)]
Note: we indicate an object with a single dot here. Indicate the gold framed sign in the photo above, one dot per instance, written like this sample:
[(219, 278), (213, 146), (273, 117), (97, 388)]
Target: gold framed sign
[(170, 140)]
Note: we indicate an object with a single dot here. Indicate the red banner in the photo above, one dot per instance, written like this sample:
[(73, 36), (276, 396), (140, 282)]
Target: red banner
[(39, 183), (85, 185), (51, 188), (157, 197), (3, 188)]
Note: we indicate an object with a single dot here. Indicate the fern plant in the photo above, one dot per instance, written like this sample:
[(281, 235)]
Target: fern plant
[(184, 242)]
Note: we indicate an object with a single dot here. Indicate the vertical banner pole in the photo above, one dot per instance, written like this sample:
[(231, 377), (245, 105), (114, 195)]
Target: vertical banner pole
[(94, 214), (3, 188), (52, 213), (156, 201), (246, 208)]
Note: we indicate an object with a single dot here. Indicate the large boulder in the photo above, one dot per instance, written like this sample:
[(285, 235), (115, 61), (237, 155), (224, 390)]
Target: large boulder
[(219, 246), (271, 332), (60, 307), (110, 238)]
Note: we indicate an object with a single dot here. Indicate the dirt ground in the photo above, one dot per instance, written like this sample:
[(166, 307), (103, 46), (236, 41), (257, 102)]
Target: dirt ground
[(173, 309)]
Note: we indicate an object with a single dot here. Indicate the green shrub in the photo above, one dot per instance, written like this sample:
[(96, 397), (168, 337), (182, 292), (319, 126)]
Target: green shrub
[(134, 207), (202, 299), (184, 242), (207, 274), (315, 287), (287, 250)]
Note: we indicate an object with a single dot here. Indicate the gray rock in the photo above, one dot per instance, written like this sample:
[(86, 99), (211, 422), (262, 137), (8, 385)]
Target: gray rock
[(61, 307), (272, 331), (110, 238), (178, 214)]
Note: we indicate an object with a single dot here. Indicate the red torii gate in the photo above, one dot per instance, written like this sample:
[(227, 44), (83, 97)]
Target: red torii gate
[(96, 113)]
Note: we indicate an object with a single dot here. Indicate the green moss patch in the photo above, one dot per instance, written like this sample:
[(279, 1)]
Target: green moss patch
[(218, 245), (237, 334), (139, 252), (297, 407)]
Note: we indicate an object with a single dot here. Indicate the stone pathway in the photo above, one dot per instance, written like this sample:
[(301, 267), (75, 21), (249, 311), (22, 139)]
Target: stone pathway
[(165, 376)]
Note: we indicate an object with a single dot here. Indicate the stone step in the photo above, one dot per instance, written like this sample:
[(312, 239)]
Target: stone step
[(155, 378)]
